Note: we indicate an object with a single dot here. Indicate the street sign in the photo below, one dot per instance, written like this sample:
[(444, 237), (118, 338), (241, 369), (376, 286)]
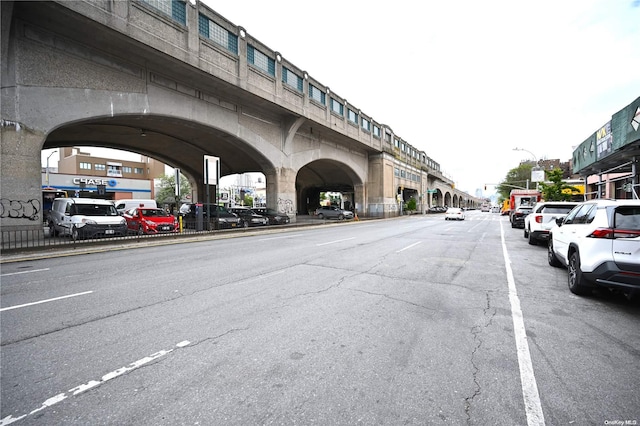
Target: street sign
[(431, 191)]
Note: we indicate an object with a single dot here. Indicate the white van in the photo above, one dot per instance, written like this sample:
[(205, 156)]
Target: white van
[(85, 218), (126, 204)]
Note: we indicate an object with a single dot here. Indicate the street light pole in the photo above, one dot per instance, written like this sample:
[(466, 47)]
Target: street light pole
[(536, 167), (47, 180), (532, 154)]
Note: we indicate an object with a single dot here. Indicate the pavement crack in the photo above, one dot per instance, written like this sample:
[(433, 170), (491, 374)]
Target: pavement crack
[(394, 299), (322, 290), (488, 313), (219, 336)]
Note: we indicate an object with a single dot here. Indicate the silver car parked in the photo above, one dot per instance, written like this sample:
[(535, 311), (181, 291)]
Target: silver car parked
[(333, 212)]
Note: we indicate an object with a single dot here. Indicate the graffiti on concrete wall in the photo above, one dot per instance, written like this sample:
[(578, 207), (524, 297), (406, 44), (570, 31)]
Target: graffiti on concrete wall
[(19, 209), (285, 206)]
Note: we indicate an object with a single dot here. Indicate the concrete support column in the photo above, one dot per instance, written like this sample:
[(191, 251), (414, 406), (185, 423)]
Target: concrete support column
[(21, 185), (281, 191), (360, 199)]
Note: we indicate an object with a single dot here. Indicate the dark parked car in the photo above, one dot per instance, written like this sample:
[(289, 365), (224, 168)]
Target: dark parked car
[(334, 212), (437, 209), (274, 217), (517, 218), (226, 219), (249, 217)]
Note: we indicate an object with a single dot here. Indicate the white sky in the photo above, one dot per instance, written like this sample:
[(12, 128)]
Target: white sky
[(465, 81)]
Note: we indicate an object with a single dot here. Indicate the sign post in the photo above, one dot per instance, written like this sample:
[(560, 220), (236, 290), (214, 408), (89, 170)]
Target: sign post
[(211, 177), (177, 198)]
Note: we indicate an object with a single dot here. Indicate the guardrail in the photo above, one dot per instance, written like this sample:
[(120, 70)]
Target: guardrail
[(12, 241), (15, 241)]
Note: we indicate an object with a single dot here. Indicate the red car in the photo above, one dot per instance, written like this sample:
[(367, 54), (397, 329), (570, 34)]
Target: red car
[(142, 220)]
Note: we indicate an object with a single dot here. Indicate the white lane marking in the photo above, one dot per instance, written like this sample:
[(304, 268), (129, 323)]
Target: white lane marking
[(532, 406), (335, 241), (408, 247), (45, 301), (23, 272), (77, 390)]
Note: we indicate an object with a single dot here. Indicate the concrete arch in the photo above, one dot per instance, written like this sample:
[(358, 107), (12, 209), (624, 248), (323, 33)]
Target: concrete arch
[(447, 199), (327, 175), (175, 141)]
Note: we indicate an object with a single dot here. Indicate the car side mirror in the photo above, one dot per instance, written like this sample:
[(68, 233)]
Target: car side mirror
[(559, 221)]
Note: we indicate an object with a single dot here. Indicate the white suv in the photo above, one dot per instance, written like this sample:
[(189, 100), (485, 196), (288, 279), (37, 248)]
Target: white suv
[(599, 243), (543, 217)]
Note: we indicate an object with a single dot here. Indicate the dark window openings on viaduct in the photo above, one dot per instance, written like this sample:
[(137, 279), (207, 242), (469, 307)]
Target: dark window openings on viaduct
[(352, 115), (337, 107), (217, 34), (176, 9), (407, 175), (292, 79), (260, 60), (317, 94), (366, 124)]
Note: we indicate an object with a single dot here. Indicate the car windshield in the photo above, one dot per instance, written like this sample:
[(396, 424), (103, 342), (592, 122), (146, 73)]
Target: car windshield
[(94, 210), (154, 213)]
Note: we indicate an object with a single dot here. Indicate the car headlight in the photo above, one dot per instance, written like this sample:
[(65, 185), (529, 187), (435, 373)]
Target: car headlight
[(150, 223), (87, 222)]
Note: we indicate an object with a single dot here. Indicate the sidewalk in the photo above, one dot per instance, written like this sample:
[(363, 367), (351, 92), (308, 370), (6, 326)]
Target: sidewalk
[(125, 243)]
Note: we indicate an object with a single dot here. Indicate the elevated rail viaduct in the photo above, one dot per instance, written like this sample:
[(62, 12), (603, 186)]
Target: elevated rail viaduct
[(176, 81)]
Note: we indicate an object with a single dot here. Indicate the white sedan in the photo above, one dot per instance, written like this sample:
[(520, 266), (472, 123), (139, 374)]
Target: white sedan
[(454, 213)]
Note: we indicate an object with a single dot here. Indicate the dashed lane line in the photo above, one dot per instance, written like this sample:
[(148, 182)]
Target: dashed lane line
[(92, 384), (45, 301)]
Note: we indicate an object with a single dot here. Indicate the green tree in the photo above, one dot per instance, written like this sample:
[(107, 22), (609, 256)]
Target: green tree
[(167, 191), (517, 177), (554, 191), (411, 204)]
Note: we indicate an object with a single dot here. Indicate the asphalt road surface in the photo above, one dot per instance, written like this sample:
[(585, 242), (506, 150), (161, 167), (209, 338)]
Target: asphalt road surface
[(407, 321)]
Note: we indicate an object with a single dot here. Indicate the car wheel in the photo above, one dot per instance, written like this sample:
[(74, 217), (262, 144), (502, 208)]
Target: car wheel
[(513, 225), (551, 256), (526, 232), (320, 216), (245, 224), (75, 235), (140, 230), (340, 216), (575, 280), (532, 240)]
